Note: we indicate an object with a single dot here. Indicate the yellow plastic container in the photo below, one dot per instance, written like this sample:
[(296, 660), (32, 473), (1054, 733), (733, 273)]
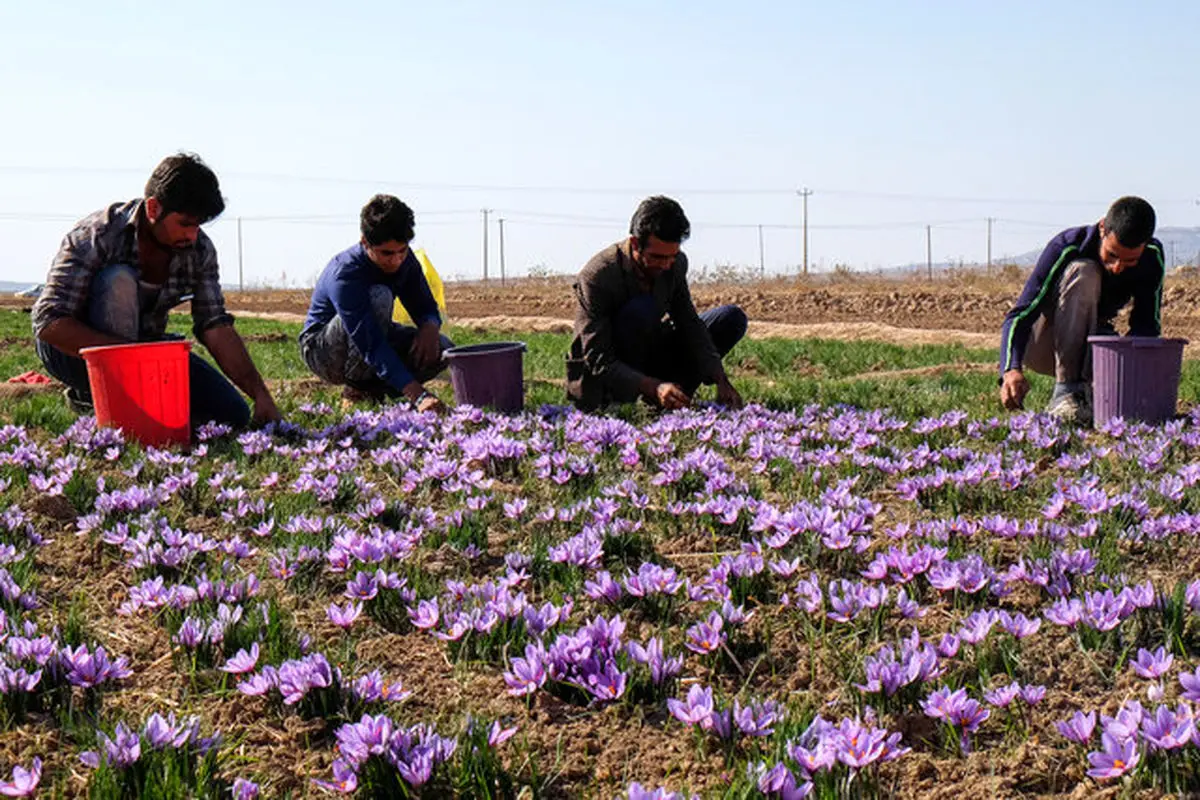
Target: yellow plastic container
[(435, 287)]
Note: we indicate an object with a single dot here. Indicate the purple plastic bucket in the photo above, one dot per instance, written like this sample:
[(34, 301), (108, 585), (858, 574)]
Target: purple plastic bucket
[(488, 375), (1135, 377)]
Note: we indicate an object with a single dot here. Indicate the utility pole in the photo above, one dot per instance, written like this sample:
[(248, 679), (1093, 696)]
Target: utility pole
[(485, 212), (241, 274), (929, 249), (804, 194), (500, 221), (990, 220), (762, 264)]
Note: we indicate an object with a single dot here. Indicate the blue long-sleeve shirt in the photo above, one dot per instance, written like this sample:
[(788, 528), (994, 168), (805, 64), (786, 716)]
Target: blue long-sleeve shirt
[(1141, 283), (344, 290)]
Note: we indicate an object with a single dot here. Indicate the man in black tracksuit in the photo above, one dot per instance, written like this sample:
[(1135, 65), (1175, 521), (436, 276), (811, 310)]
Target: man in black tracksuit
[(1083, 278)]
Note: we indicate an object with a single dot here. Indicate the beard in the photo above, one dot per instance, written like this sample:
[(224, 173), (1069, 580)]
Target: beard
[(159, 233)]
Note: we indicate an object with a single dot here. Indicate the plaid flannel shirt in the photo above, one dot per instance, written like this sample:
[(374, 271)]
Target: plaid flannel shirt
[(109, 237)]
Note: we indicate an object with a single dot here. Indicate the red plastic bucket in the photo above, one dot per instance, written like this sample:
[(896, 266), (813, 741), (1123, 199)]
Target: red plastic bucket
[(1135, 377), (143, 389), (488, 375)]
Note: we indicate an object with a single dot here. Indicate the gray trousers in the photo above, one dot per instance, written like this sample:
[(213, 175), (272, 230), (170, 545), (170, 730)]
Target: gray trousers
[(1058, 344), (332, 356)]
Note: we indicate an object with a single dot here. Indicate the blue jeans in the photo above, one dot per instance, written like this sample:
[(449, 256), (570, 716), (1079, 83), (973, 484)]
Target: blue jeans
[(656, 348), (114, 307)]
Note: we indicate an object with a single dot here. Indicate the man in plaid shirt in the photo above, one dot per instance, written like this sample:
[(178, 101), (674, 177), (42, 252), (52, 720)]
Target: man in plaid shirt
[(119, 273)]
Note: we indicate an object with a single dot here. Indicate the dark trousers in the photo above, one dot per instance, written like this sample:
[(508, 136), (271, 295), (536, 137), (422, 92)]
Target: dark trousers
[(655, 347), (114, 308)]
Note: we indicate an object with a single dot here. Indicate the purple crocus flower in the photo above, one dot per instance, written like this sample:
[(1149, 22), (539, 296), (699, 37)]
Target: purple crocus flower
[(1033, 695), (344, 616), (242, 662), (1167, 729), (24, 782), (696, 710), (1190, 681), (1079, 727), (425, 615), (258, 685), (244, 789), (498, 735), (1152, 665), (756, 719), (705, 637), (1116, 757), (635, 791), (1002, 696), (364, 587), (527, 674)]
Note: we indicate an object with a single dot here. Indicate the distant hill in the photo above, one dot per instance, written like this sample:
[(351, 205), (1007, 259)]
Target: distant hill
[(1180, 246)]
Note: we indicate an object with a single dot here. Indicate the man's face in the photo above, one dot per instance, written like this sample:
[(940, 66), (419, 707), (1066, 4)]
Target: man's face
[(388, 256), (1115, 256), (174, 230), (656, 257)]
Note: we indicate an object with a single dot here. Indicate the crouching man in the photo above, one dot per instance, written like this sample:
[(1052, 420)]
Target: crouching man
[(637, 333), (120, 272), (349, 338), (1083, 278)]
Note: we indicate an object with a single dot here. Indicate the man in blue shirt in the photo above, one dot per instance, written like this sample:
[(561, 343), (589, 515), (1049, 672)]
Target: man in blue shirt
[(1083, 278), (349, 338)]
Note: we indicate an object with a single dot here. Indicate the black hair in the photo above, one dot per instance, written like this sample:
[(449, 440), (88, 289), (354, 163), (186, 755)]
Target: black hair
[(660, 217), (185, 184), (1132, 220), (386, 219)]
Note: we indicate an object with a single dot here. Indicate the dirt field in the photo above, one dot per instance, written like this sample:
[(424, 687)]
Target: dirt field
[(854, 308)]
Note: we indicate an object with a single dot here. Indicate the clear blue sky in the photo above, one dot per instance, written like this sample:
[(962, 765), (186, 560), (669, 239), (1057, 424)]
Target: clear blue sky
[(896, 113)]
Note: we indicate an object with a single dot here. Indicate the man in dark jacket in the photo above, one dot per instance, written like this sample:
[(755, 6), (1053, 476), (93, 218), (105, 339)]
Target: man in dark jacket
[(349, 338), (637, 333), (1083, 278)]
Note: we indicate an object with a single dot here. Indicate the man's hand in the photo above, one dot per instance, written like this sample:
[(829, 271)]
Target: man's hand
[(265, 410), (424, 399), (670, 396), (727, 395), (427, 346), (230, 353), (1013, 390)]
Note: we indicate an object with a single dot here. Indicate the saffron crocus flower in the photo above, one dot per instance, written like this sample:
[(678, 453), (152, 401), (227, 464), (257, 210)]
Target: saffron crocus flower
[(1116, 757), (242, 662), (696, 710), (1002, 696), (24, 782), (425, 615), (344, 616), (498, 735), (1079, 727), (244, 789), (527, 674), (1167, 729), (1152, 665), (705, 637), (1033, 695), (1190, 681), (635, 791)]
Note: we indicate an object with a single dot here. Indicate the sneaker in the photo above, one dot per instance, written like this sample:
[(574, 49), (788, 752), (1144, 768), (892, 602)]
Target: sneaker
[(1075, 408), (78, 402)]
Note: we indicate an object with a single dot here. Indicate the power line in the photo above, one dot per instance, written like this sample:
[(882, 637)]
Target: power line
[(595, 190)]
